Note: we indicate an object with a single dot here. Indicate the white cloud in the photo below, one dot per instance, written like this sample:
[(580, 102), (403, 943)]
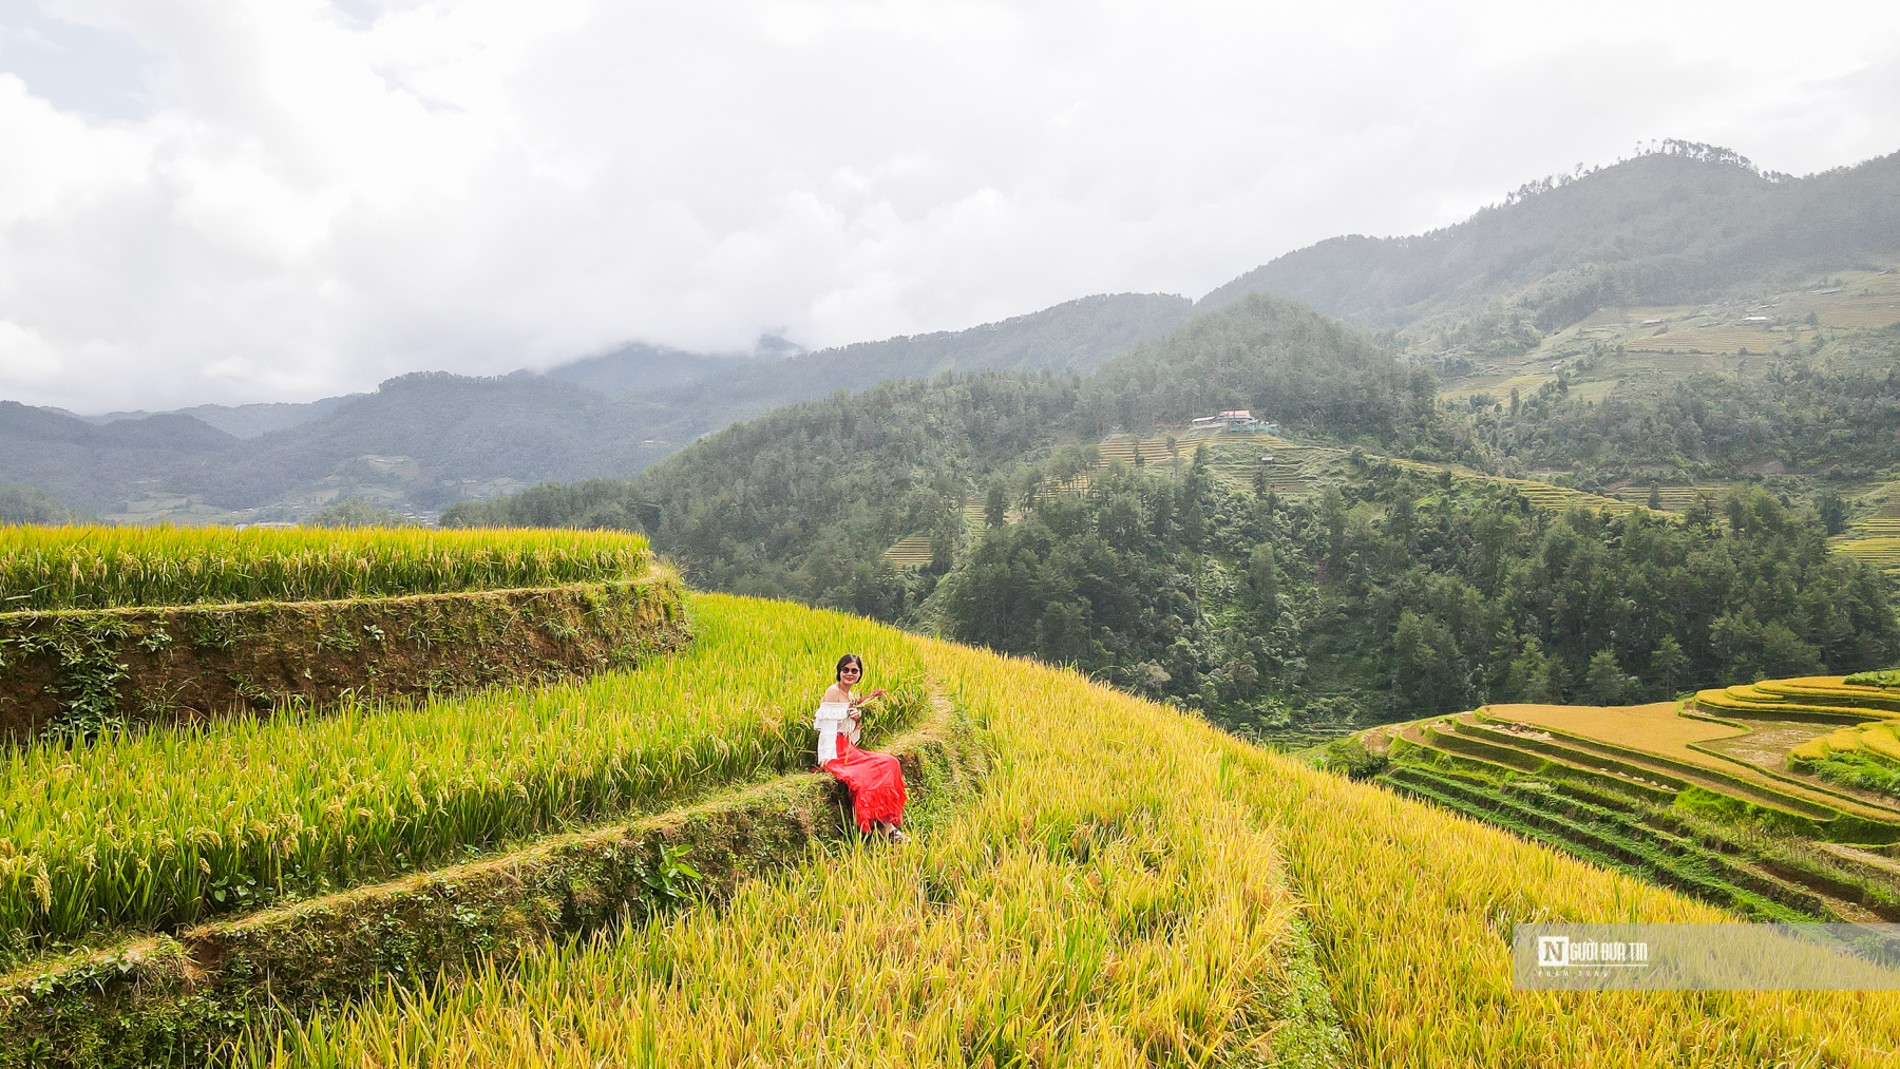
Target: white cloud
[(317, 196), (25, 358)]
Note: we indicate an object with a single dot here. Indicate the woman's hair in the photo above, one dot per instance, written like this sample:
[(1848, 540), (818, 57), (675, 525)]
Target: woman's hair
[(849, 658)]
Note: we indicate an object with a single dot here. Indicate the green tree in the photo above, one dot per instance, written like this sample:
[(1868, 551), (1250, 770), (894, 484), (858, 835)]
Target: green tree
[(1669, 666), (1532, 674), (995, 503), (1833, 510), (1605, 682), (355, 512)]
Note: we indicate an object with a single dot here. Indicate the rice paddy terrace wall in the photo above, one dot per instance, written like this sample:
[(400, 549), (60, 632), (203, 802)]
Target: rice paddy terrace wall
[(125, 627)]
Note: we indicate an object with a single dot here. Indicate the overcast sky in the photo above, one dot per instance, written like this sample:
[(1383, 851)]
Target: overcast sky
[(244, 200)]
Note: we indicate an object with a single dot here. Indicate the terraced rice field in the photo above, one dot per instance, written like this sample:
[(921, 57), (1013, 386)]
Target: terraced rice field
[(1125, 887), (1874, 535), (1676, 498), (1626, 816), (1652, 727), (1664, 345), (1655, 741), (1098, 907), (1292, 469), (1881, 552), (1298, 468), (1865, 301), (1877, 738), (912, 551), (1718, 336), (1823, 699), (152, 831), (1609, 833), (1562, 498), (1696, 797)]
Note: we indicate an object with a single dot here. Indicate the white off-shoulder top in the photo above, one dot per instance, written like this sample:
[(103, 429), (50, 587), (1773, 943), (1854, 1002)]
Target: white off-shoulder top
[(832, 720)]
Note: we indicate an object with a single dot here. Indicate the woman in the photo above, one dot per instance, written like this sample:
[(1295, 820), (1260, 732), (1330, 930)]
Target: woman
[(877, 784)]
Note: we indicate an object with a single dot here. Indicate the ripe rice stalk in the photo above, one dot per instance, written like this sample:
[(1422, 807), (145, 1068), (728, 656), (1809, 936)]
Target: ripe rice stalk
[(45, 568), (160, 829), (1097, 904)]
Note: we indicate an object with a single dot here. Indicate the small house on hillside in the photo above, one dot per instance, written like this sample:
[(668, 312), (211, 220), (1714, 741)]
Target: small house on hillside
[(1234, 419)]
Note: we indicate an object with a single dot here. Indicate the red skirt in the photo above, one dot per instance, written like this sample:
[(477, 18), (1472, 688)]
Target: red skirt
[(876, 782)]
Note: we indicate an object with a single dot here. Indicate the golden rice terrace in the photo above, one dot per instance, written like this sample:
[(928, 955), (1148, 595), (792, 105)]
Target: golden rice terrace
[(639, 867)]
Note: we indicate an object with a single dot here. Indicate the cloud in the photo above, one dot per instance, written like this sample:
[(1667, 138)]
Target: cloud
[(314, 196), (25, 358)]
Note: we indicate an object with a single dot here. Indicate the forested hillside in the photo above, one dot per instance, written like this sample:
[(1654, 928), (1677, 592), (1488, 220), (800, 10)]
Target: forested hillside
[(1793, 419), (802, 502), (1397, 593), (1663, 228), (1382, 590), (24, 504), (94, 467)]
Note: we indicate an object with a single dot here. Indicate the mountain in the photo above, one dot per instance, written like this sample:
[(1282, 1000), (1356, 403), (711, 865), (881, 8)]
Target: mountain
[(26, 504), (97, 467), (1075, 336), (1227, 580), (1663, 228), (803, 501), (423, 441), (241, 421), (645, 370)]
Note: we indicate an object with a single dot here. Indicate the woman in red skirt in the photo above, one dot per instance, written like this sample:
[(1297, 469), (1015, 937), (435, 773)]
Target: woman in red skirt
[(877, 784)]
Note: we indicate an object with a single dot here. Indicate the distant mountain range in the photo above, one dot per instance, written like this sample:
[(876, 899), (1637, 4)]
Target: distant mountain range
[(1668, 227), (241, 421), (423, 441)]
